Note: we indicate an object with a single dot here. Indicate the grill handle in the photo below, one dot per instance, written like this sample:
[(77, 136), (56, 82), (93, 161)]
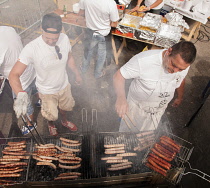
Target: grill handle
[(197, 172)]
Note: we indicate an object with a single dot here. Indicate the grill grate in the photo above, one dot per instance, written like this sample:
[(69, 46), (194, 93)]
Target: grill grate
[(45, 173), (130, 142), (24, 173)]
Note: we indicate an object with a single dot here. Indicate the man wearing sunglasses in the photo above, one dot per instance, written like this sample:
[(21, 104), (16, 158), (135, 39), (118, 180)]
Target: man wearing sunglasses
[(156, 75), (49, 54)]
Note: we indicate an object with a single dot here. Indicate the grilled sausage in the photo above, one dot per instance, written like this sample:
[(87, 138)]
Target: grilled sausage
[(160, 159), (16, 143), (70, 174), (66, 177), (68, 161), (127, 154), (40, 159), (66, 155), (68, 140), (15, 147), (117, 161), (70, 158), (16, 156), (114, 145), (117, 148), (121, 164), (155, 169), (71, 144), (48, 157), (114, 151), (168, 146), (69, 167), (172, 154), (9, 175), (15, 164), (158, 163), (14, 153), (171, 142), (10, 171), (119, 168), (46, 164), (9, 159), (161, 155)]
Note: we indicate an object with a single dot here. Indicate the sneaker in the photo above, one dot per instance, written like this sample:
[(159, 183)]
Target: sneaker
[(52, 130), (69, 125), (38, 104), (25, 130)]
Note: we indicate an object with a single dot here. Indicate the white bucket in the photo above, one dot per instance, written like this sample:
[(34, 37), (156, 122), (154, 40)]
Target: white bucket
[(76, 8)]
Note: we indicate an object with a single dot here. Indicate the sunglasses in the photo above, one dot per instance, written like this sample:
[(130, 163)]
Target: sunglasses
[(57, 49)]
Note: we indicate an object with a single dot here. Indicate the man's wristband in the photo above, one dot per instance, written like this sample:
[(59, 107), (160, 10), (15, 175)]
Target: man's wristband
[(137, 5)]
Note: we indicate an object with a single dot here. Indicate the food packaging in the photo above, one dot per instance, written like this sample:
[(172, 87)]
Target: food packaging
[(151, 20), (167, 35)]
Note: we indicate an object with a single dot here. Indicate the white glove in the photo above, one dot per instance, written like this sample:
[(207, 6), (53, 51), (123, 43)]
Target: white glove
[(21, 103)]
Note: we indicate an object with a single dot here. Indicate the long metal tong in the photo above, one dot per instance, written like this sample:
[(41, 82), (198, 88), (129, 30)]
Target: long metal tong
[(32, 124)]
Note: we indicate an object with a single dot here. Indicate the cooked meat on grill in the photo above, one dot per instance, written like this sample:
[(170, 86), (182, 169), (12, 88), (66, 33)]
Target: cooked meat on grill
[(9, 175), (114, 151), (71, 144), (41, 159), (8, 159), (121, 164), (69, 167), (114, 145), (16, 143), (68, 140), (16, 156), (127, 154), (68, 161), (70, 174), (66, 177), (119, 168), (117, 161), (10, 171), (47, 164)]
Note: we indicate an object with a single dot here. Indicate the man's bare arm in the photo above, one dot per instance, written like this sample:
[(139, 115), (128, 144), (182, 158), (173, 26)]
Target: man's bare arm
[(121, 104), (73, 67), (180, 94), (114, 24), (14, 76)]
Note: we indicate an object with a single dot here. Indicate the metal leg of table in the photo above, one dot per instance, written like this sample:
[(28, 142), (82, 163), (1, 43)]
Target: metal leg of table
[(117, 52)]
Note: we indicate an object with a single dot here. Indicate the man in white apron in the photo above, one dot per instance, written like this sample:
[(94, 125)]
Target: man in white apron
[(156, 75)]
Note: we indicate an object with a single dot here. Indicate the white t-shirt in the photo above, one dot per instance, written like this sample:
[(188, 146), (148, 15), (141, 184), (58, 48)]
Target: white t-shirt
[(10, 48), (146, 68), (99, 14), (51, 75), (150, 2)]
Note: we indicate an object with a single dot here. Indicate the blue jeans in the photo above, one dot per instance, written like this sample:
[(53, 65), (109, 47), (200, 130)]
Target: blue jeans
[(31, 90), (93, 41)]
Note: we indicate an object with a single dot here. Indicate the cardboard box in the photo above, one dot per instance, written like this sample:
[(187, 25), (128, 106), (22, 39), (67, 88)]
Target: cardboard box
[(68, 4)]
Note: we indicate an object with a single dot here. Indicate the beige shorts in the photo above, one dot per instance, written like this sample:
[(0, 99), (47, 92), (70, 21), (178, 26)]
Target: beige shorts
[(51, 102)]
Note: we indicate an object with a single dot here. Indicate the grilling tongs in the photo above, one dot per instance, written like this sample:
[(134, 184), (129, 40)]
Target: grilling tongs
[(33, 124)]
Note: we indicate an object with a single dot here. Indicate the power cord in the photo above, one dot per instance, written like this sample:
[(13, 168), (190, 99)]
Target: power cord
[(203, 35)]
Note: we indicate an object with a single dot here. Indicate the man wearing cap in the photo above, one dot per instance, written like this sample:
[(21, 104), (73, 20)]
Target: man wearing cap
[(49, 54)]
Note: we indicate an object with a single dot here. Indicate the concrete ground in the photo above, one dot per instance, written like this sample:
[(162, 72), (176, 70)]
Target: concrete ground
[(97, 98)]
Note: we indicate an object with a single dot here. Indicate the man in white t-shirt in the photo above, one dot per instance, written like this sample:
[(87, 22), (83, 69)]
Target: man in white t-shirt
[(100, 16), (10, 48), (156, 75), (49, 54), (153, 6)]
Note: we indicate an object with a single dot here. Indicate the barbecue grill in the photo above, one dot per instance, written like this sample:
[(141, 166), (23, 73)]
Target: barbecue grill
[(95, 171)]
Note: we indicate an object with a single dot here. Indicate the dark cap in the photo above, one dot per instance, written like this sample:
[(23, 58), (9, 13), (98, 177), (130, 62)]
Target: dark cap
[(52, 20)]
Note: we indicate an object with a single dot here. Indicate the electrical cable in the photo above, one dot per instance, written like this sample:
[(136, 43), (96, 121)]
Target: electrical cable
[(203, 35)]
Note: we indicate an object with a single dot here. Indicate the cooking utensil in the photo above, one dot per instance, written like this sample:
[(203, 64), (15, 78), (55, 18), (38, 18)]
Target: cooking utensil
[(2, 84), (32, 124), (132, 123), (174, 173)]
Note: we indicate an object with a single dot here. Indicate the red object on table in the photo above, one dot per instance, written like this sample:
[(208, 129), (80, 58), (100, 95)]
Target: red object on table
[(121, 7)]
